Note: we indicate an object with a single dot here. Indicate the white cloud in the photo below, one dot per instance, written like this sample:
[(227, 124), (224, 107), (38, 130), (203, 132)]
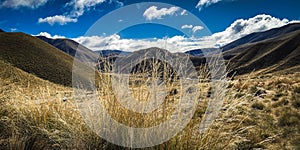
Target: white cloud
[(194, 28), (23, 3), (154, 13), (79, 6), (183, 13), (236, 30), (205, 3), (13, 29), (48, 35), (241, 27), (59, 19), (115, 42), (197, 28), (187, 26)]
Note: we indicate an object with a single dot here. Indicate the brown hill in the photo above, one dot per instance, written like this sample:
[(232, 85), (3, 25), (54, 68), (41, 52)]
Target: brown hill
[(276, 54), (72, 48), (36, 57), (260, 36)]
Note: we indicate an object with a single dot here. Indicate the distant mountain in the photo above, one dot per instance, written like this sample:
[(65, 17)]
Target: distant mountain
[(1, 30), (109, 53), (71, 47), (195, 52), (36, 57), (253, 37), (270, 51), (200, 52), (271, 55), (142, 65), (260, 36)]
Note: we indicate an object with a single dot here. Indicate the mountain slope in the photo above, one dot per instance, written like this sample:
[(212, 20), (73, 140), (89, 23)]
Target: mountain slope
[(276, 54), (195, 52), (10, 75), (36, 57), (252, 38), (109, 53), (259, 36), (71, 47)]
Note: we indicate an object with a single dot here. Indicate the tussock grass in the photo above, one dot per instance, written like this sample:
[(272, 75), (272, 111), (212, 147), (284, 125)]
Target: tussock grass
[(37, 114)]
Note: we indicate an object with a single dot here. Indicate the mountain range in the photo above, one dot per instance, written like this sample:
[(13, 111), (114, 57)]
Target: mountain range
[(72, 48), (270, 51), (260, 36), (253, 37), (274, 54)]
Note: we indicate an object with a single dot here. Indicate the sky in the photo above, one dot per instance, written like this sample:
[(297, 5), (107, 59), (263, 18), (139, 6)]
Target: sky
[(129, 25)]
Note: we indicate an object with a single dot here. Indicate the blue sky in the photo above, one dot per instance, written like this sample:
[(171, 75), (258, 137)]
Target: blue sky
[(76, 19)]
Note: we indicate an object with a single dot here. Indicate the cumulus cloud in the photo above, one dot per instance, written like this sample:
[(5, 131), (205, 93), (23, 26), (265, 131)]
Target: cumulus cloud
[(154, 13), (205, 3), (197, 28), (183, 13), (23, 3), (115, 42), (48, 35), (187, 26), (243, 27), (236, 30), (59, 19), (78, 8), (13, 29), (193, 28)]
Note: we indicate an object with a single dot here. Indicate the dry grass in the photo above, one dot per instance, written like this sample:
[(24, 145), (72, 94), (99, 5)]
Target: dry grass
[(36, 114)]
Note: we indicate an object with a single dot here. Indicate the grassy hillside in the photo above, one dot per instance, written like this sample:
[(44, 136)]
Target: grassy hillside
[(38, 114), (71, 47), (36, 57), (260, 36), (271, 55)]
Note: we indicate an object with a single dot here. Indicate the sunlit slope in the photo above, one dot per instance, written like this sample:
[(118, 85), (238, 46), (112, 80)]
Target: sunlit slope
[(36, 57)]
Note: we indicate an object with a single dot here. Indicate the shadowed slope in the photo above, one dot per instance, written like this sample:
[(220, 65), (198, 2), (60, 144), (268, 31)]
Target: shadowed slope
[(71, 47), (271, 55), (260, 36), (252, 38)]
